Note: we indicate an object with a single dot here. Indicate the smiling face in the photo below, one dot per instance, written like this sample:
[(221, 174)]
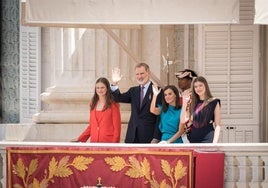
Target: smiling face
[(170, 97), (200, 89), (101, 89), (142, 75), (184, 83)]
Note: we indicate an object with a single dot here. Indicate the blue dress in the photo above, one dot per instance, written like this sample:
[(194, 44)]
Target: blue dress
[(169, 123)]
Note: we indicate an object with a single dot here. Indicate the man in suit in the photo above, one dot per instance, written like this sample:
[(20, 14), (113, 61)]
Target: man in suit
[(142, 123)]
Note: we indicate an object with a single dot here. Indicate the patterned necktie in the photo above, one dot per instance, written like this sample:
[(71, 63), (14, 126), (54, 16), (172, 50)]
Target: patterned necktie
[(141, 95)]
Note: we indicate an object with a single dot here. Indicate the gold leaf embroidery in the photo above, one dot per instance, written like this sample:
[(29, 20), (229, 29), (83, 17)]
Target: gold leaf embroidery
[(52, 167), (134, 162), (166, 167), (63, 172), (154, 184), (135, 171), (116, 163), (17, 186), (19, 169), (138, 169), (164, 184), (56, 168), (64, 161), (146, 168), (44, 183), (81, 162), (35, 183), (180, 171), (32, 167)]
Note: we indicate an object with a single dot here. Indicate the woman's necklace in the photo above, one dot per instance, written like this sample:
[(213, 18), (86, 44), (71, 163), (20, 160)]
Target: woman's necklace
[(100, 105)]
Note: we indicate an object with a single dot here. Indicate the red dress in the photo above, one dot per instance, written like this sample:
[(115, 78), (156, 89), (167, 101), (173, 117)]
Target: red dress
[(104, 126)]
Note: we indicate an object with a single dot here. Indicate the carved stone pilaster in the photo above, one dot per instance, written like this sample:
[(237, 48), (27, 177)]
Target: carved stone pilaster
[(10, 76)]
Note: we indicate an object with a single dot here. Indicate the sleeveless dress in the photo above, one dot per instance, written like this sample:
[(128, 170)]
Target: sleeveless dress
[(169, 123), (202, 130)]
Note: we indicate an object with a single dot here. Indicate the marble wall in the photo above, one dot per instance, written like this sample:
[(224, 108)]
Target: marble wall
[(10, 61), (10, 58)]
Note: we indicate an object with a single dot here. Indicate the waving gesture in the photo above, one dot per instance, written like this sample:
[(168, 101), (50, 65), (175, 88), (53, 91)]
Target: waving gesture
[(116, 75), (156, 91)]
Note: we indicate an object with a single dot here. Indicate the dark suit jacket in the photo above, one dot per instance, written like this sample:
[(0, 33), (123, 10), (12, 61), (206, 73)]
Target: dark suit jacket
[(142, 123)]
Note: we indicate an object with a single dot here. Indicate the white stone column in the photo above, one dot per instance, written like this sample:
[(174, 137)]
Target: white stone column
[(70, 76), (265, 170), (245, 171), (231, 166), (256, 170), (74, 59)]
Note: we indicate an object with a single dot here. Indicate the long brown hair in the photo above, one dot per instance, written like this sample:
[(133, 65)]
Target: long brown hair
[(109, 96), (195, 97)]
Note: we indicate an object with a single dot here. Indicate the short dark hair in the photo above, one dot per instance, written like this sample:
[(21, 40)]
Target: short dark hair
[(146, 66)]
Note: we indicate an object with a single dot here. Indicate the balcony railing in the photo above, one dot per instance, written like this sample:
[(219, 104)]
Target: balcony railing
[(246, 164)]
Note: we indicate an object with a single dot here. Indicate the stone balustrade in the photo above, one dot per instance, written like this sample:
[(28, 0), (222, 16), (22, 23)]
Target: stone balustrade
[(246, 164)]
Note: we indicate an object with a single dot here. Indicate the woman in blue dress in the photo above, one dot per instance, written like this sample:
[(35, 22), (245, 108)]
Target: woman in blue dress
[(170, 113)]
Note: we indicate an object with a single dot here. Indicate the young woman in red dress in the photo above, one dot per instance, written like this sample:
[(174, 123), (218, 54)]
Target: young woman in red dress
[(105, 119)]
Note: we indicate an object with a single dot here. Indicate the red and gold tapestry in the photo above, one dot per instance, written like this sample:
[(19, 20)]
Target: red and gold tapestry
[(83, 167)]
